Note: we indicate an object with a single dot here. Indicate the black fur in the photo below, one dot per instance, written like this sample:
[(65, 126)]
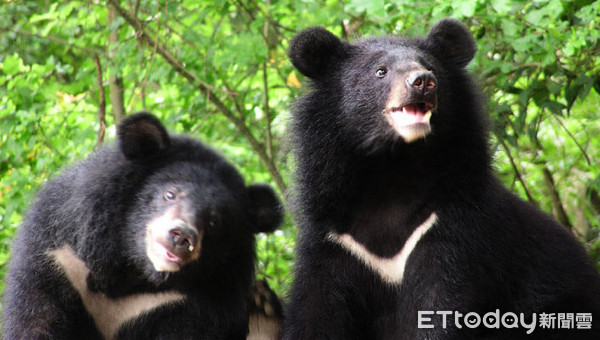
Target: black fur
[(488, 250), (100, 208)]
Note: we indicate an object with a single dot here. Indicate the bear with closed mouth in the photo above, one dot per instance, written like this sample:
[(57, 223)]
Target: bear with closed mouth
[(160, 223), (400, 212)]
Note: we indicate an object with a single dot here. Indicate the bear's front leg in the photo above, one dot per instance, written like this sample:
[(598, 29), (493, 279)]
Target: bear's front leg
[(40, 304), (325, 302)]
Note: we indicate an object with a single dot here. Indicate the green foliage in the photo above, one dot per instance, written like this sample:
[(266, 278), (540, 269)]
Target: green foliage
[(218, 70)]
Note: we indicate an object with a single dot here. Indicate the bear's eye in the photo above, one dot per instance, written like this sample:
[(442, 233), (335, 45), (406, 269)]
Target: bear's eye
[(169, 195), (381, 72), (212, 219)]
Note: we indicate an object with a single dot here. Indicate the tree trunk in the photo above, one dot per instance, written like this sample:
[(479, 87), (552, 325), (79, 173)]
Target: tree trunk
[(115, 82), (557, 206)]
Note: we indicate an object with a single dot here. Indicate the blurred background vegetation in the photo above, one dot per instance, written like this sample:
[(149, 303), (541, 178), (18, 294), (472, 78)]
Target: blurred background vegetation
[(217, 70)]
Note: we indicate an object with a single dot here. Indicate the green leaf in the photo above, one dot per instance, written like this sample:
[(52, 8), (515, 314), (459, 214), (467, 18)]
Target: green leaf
[(522, 44), (375, 8), (502, 7), (544, 15), (50, 14), (12, 65), (509, 27), (464, 8)]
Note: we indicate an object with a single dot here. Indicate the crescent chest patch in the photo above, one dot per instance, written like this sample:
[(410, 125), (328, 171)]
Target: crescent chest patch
[(390, 270)]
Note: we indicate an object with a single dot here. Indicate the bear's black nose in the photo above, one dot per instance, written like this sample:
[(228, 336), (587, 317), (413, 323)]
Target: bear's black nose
[(183, 237), (422, 82)]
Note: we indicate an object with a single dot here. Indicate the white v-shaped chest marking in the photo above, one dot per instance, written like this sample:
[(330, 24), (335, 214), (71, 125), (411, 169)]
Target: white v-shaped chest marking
[(391, 270), (109, 314)]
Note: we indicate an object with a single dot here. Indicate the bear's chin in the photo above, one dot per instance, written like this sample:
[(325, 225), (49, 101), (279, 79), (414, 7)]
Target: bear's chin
[(413, 132), (410, 131)]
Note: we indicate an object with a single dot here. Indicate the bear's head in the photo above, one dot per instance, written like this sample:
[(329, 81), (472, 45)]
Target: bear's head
[(385, 90), (192, 210)]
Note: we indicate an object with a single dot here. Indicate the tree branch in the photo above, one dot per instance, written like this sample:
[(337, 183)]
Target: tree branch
[(115, 83), (560, 122), (102, 104), (266, 86), (206, 89), (267, 110), (557, 206), (516, 170), (92, 50)]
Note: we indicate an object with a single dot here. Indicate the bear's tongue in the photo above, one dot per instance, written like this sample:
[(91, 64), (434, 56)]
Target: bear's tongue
[(411, 114)]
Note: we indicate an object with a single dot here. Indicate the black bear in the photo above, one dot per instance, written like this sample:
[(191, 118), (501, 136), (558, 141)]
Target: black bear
[(405, 231), (156, 217)]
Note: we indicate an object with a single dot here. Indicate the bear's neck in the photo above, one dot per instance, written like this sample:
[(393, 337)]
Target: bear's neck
[(381, 198)]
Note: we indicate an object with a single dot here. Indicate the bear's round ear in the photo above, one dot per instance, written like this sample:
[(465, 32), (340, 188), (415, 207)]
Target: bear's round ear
[(314, 51), (142, 136), (451, 40), (266, 208)]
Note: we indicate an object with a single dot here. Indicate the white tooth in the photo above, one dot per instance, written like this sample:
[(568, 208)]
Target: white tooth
[(427, 116)]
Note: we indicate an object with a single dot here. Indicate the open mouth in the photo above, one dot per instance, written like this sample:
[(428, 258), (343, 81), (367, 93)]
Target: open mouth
[(169, 251), (411, 121), (169, 256), (164, 259)]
